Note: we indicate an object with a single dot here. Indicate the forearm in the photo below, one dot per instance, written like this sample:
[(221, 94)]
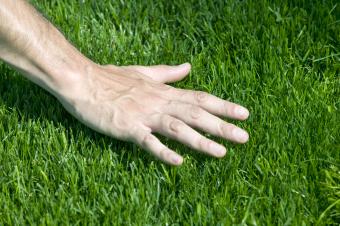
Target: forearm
[(35, 47)]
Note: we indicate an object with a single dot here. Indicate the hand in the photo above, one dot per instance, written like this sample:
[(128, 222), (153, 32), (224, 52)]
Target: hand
[(129, 103), (132, 102)]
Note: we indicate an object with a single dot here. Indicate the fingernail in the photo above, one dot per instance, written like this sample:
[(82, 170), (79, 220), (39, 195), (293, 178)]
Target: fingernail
[(240, 135), (185, 65), (218, 149), (176, 159), (242, 112)]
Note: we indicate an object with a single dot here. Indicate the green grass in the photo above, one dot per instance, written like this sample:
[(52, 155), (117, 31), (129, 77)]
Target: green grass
[(281, 59)]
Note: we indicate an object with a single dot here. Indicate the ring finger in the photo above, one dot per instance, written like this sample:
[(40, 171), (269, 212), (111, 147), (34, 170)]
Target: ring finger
[(178, 130)]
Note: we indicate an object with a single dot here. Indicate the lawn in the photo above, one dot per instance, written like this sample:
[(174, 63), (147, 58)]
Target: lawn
[(280, 59)]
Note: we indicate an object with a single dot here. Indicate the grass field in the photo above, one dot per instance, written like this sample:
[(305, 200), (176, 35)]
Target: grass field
[(281, 59)]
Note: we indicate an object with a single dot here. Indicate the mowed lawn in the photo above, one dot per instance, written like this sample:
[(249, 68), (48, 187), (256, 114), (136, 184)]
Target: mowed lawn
[(281, 59)]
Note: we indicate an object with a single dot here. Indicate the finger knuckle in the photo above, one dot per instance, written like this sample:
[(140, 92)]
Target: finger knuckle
[(195, 112), (224, 129), (146, 140), (203, 143), (116, 119), (163, 154), (176, 126), (131, 134), (201, 97)]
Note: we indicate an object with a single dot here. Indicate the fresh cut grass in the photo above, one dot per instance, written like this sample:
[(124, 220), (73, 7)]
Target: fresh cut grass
[(280, 59)]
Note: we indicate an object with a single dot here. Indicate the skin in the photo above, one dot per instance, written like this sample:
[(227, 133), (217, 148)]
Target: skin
[(130, 103)]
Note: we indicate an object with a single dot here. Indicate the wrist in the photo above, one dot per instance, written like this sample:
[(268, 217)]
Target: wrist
[(63, 67), (67, 81)]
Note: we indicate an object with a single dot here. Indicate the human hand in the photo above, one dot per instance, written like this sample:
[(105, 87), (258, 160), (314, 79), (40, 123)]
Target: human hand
[(129, 103), (132, 102)]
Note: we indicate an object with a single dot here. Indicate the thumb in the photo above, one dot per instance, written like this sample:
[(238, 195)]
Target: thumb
[(164, 73)]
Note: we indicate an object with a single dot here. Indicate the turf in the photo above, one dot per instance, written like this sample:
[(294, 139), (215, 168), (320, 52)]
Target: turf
[(281, 59)]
